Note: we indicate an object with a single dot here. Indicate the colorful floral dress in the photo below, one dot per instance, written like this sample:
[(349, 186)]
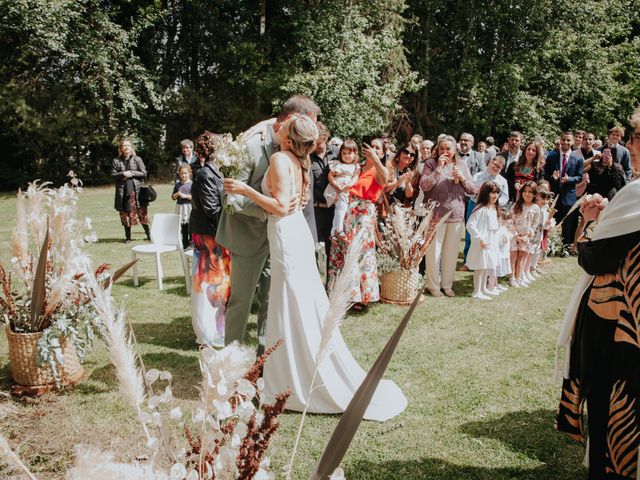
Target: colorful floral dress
[(361, 216), (210, 292)]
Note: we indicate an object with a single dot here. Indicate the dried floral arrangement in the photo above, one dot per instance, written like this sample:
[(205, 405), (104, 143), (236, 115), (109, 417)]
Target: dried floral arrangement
[(228, 433), (48, 292), (406, 233)]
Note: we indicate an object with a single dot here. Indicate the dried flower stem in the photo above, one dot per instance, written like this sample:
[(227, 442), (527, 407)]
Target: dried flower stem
[(12, 459)]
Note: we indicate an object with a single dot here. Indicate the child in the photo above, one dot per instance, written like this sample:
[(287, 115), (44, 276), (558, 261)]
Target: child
[(505, 233), (542, 200), (483, 228), (525, 217), (182, 195), (343, 174)]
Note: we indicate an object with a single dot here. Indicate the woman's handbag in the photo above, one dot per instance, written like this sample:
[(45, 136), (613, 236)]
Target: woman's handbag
[(147, 193)]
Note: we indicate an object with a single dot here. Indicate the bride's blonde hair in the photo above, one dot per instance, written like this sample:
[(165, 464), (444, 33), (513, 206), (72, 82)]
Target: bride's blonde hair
[(303, 133)]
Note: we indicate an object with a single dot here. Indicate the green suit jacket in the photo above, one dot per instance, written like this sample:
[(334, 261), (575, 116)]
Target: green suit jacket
[(244, 232)]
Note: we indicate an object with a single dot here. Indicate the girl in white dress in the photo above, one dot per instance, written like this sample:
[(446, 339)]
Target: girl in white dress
[(483, 228), (343, 174), (298, 303)]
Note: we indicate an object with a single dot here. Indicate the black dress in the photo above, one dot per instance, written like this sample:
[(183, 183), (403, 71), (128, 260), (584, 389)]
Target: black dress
[(604, 366)]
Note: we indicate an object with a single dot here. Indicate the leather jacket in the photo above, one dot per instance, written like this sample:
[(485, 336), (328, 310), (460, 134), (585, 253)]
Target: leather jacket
[(206, 202)]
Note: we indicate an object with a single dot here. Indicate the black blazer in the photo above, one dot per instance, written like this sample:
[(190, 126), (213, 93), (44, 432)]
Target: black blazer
[(206, 202)]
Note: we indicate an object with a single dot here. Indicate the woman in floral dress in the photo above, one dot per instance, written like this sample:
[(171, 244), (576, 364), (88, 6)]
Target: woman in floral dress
[(211, 262), (361, 217)]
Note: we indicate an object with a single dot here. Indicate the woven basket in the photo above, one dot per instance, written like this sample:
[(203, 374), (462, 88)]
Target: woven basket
[(23, 354), (400, 287)]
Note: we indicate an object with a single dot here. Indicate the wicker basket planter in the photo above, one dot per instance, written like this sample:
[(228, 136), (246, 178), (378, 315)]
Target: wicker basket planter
[(400, 287), (23, 354)]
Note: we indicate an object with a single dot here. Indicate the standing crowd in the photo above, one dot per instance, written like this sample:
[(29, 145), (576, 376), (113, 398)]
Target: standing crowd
[(506, 203)]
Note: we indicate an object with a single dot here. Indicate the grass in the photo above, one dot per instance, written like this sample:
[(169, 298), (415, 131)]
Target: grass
[(477, 376)]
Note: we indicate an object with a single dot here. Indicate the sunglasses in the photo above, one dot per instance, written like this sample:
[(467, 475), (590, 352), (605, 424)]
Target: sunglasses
[(407, 152)]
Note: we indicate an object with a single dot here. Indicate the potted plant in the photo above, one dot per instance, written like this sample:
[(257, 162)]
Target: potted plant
[(403, 239), (45, 301)]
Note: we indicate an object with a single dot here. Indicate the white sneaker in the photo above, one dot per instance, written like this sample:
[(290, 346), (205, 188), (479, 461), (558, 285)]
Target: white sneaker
[(480, 296), (530, 277), (534, 273), (502, 288), (524, 281), (514, 283), (492, 291)]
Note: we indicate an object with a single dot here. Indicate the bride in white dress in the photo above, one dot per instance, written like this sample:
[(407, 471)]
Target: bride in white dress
[(298, 303)]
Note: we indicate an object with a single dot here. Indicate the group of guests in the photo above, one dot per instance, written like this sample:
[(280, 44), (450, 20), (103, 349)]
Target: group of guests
[(507, 200)]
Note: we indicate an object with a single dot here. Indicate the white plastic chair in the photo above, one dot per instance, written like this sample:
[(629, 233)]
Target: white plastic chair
[(165, 238)]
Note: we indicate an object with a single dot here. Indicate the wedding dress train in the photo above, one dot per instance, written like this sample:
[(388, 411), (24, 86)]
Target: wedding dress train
[(297, 308)]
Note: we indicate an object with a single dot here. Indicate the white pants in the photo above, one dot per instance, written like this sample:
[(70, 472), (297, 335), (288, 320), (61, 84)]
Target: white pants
[(442, 256)]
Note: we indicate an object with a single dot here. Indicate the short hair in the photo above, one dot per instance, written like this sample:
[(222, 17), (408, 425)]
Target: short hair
[(206, 146), (617, 128), (298, 104), (428, 143), (417, 136), (490, 140), (516, 133), (465, 134), (323, 131), (579, 132), (564, 134), (186, 143)]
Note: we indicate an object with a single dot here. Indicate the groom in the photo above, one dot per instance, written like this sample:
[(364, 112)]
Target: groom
[(244, 232)]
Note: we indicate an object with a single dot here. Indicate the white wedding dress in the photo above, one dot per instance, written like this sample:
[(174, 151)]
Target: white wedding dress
[(297, 308)]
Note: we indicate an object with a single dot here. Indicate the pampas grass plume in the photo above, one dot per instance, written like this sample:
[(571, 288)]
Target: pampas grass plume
[(9, 456), (93, 464)]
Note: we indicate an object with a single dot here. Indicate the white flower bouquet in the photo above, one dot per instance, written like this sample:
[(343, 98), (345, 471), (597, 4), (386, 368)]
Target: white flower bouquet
[(233, 159)]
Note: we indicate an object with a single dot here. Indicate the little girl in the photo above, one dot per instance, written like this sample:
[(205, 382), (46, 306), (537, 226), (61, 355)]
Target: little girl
[(483, 228), (542, 200), (505, 233), (525, 218), (182, 195), (343, 174)]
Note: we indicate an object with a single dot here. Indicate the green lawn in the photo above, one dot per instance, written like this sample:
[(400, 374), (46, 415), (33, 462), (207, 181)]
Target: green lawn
[(477, 376)]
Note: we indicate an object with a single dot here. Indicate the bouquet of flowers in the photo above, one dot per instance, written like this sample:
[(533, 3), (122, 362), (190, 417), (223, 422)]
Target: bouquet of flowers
[(233, 159), (406, 233)]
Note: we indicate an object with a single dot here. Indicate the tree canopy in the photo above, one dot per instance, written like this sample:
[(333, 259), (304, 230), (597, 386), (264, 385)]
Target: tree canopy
[(77, 74)]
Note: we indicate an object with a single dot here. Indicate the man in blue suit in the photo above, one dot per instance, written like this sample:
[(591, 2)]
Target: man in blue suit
[(619, 153), (563, 170)]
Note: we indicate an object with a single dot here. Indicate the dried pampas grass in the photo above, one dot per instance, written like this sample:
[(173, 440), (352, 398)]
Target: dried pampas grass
[(94, 464), (9, 456)]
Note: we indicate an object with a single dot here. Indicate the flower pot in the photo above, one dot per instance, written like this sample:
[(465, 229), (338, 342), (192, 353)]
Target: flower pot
[(400, 287), (23, 358)]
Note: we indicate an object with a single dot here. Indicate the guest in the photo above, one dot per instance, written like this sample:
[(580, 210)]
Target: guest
[(564, 172), (526, 216), (474, 161), (401, 182), (445, 179), (320, 172), (602, 366), (605, 177), (129, 171), (634, 144), (483, 227), (182, 195), (425, 153), (361, 217), (492, 173), (528, 168), (492, 150), (187, 157), (619, 152), (512, 152), (211, 270)]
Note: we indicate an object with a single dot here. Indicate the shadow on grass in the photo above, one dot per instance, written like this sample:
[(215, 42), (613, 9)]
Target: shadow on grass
[(528, 434), (183, 368), (178, 334), (172, 285)]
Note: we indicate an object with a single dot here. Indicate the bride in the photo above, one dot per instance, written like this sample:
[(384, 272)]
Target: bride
[(297, 300)]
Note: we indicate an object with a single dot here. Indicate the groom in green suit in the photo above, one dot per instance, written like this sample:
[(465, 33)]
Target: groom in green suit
[(244, 232)]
